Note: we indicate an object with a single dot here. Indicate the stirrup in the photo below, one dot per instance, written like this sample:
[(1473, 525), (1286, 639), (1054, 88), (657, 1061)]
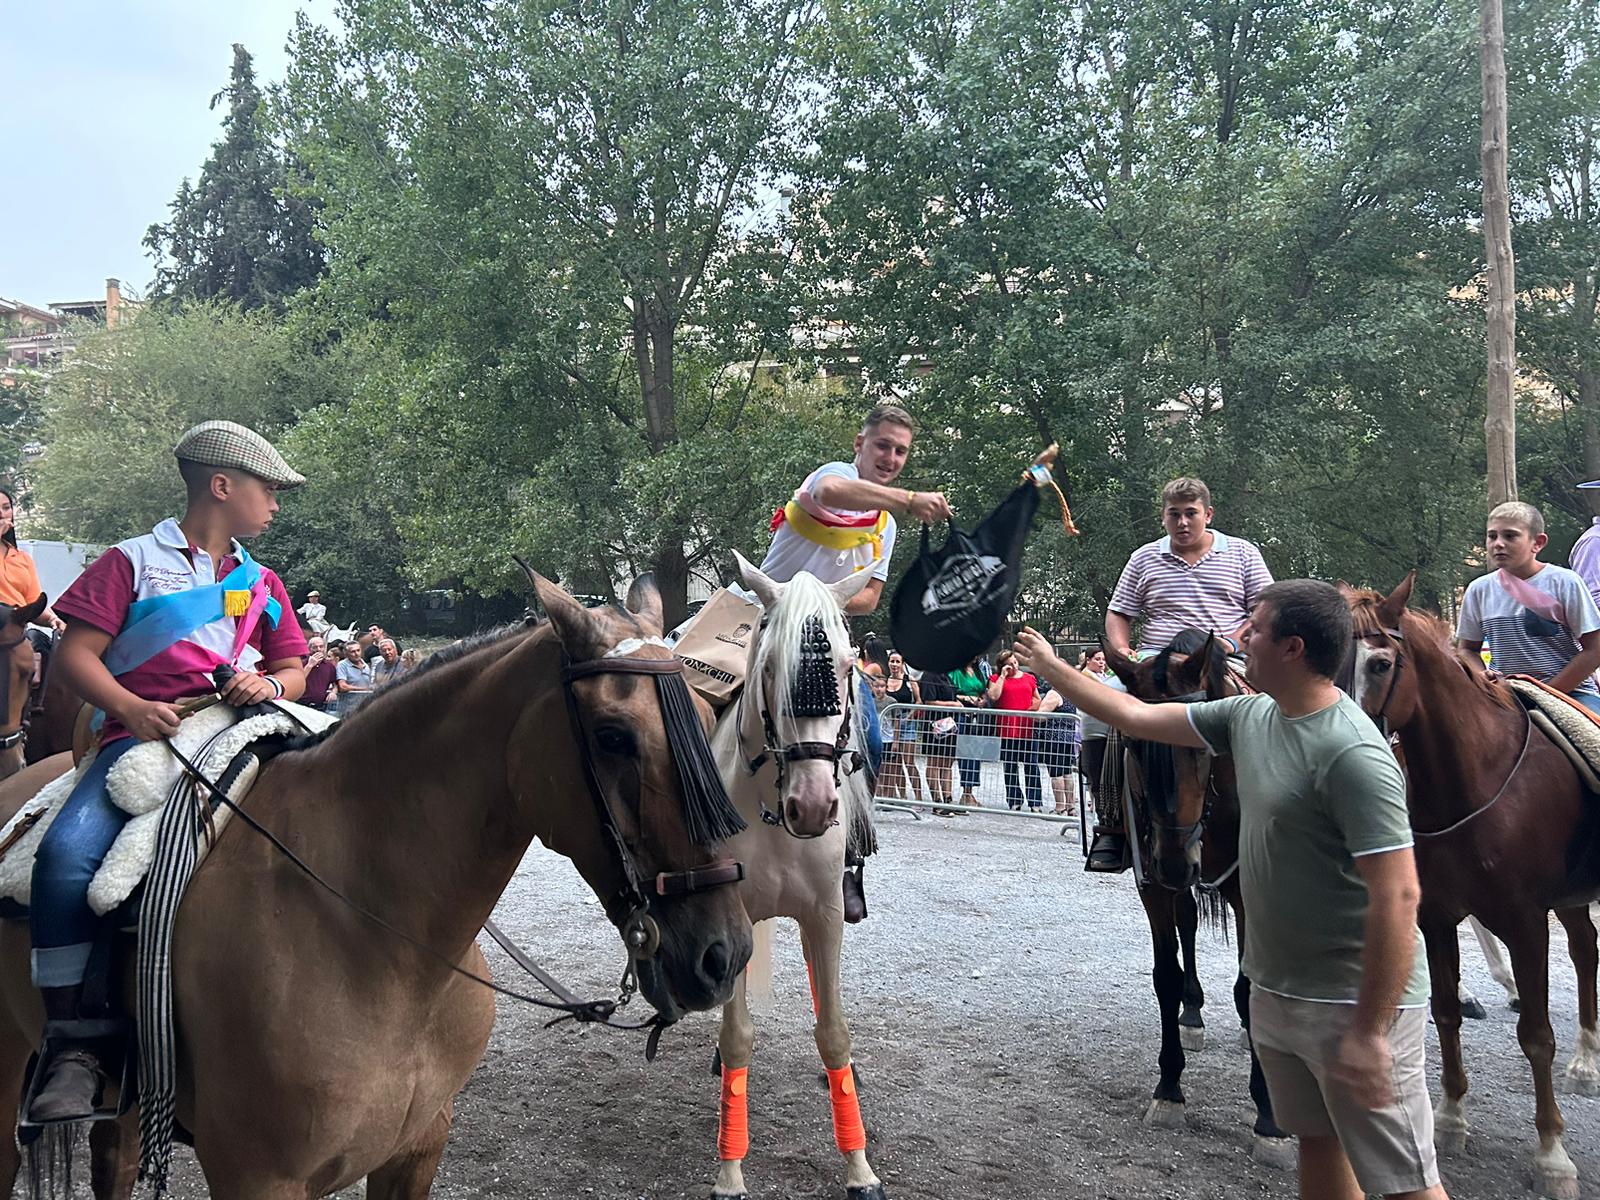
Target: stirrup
[(115, 1035), (1097, 848)]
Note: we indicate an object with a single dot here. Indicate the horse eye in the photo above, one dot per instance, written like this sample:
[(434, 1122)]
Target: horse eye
[(1382, 666), (615, 739)]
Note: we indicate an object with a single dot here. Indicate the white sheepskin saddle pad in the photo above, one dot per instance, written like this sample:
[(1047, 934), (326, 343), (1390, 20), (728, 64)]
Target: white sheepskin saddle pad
[(139, 784)]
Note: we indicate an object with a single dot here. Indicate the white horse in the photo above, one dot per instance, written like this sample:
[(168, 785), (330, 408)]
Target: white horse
[(784, 749)]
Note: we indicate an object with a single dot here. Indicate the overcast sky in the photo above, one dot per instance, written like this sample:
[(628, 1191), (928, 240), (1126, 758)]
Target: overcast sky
[(105, 112)]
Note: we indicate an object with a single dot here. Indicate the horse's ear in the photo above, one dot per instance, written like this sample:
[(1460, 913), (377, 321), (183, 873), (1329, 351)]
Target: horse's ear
[(30, 613), (1121, 665), (766, 588), (1190, 675), (1345, 589), (574, 624), (1393, 606), (644, 602), (848, 588)]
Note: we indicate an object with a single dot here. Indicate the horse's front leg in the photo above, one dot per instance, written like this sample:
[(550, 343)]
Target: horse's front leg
[(1555, 1176), (1273, 1147), (1191, 1025), (1444, 972), (823, 932), (733, 1116), (1166, 1104), (1583, 1072)]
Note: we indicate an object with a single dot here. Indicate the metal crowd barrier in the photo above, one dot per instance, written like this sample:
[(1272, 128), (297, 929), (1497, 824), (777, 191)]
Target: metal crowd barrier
[(1024, 775)]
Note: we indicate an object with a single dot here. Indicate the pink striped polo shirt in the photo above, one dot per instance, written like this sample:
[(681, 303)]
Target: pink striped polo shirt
[(1215, 594)]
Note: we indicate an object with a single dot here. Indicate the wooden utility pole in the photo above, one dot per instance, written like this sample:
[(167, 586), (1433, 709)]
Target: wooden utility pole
[(1500, 422)]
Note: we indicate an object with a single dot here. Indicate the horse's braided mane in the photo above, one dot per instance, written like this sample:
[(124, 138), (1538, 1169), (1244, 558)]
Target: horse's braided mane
[(1426, 630)]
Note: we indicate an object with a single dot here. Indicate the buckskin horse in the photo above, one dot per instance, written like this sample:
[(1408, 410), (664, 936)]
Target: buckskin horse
[(1505, 831), (1185, 830), (782, 748), (317, 1046)]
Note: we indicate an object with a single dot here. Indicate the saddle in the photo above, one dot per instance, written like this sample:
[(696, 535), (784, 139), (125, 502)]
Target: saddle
[(1571, 726), (140, 783)]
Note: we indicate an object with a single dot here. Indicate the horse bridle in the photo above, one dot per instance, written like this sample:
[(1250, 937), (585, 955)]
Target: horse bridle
[(1188, 834), (629, 907), (1381, 717), (15, 738), (775, 750)]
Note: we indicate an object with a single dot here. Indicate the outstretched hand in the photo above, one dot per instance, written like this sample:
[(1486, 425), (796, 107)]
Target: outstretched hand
[(1035, 653)]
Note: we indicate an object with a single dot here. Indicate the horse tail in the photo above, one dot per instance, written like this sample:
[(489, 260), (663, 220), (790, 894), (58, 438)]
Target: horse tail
[(758, 975), (1215, 912)]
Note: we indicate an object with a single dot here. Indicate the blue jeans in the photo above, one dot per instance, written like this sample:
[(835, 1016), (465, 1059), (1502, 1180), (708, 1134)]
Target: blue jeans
[(62, 923), (1591, 702)]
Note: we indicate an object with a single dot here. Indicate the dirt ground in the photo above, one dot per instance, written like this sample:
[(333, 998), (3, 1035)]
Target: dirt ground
[(1004, 1030)]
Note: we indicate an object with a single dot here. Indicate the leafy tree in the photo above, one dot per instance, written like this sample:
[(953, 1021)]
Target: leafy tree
[(559, 215), (120, 404), (239, 234)]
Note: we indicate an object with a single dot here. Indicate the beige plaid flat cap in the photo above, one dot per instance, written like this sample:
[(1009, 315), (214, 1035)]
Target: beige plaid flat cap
[(225, 444)]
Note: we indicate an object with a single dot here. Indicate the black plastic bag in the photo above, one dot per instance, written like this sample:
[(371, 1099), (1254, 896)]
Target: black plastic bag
[(952, 604)]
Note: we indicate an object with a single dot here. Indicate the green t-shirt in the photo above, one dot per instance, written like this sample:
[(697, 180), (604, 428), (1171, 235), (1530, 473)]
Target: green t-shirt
[(967, 683), (1315, 793)]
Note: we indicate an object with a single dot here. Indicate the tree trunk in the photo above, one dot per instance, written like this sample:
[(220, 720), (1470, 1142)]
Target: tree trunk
[(1500, 421), (1589, 407)]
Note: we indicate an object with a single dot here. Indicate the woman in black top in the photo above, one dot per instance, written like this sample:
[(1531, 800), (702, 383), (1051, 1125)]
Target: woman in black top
[(900, 733)]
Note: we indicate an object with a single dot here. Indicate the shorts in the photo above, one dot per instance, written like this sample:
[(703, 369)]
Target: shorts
[(1391, 1148)]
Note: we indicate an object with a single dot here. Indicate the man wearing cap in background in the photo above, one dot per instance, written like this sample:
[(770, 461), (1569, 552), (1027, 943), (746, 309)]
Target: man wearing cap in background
[(315, 612), (147, 624)]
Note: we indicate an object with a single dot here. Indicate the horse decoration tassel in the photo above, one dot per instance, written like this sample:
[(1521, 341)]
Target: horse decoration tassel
[(709, 816), (815, 692)]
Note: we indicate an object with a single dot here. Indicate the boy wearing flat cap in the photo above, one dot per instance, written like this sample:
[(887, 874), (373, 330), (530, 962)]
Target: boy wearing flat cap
[(147, 624)]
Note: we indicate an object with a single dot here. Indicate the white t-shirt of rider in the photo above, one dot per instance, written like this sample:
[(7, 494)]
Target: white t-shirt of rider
[(790, 553)]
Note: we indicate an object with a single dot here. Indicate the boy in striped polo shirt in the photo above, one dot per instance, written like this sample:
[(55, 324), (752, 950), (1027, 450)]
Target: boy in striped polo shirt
[(1195, 577), (1538, 618)]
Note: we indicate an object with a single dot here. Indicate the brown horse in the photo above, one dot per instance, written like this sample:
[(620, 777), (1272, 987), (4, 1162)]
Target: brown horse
[(316, 1047), (1505, 832), (1186, 835)]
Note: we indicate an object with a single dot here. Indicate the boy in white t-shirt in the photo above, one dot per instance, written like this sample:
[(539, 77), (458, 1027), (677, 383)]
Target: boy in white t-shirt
[(1538, 619)]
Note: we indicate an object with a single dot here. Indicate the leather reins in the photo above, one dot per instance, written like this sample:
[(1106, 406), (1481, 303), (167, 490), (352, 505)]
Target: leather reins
[(640, 934)]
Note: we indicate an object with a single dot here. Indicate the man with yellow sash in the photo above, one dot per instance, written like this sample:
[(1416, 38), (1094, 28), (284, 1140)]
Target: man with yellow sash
[(840, 522)]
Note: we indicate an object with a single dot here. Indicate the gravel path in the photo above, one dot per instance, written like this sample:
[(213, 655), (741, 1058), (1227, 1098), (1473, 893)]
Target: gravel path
[(1004, 1029)]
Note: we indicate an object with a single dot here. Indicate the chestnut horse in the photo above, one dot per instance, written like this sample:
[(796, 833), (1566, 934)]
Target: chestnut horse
[(1505, 831), (1186, 833), (316, 1046)]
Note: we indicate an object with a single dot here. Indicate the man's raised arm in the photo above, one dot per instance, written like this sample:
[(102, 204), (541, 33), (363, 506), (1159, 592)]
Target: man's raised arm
[(1167, 723)]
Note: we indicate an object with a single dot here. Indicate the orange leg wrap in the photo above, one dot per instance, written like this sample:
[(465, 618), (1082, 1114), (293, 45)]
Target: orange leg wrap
[(811, 978), (733, 1129), (848, 1131)]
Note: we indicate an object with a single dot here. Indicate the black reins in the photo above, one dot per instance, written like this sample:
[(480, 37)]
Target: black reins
[(628, 908)]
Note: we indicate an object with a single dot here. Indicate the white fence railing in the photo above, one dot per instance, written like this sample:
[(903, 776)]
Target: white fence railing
[(995, 762)]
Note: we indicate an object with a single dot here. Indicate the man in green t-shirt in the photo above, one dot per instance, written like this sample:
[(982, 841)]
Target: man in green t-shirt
[(1338, 977)]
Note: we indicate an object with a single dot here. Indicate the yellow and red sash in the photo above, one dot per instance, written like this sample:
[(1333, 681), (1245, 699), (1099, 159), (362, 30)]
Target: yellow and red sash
[(831, 530)]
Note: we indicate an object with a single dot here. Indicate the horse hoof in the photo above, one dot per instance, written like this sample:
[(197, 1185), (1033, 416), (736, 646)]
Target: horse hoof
[(1585, 1081), (869, 1191), (1472, 1009), (1279, 1153), (1449, 1142), (1192, 1038), (1244, 1041), (1556, 1185), (1165, 1114), (1515, 1004)]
